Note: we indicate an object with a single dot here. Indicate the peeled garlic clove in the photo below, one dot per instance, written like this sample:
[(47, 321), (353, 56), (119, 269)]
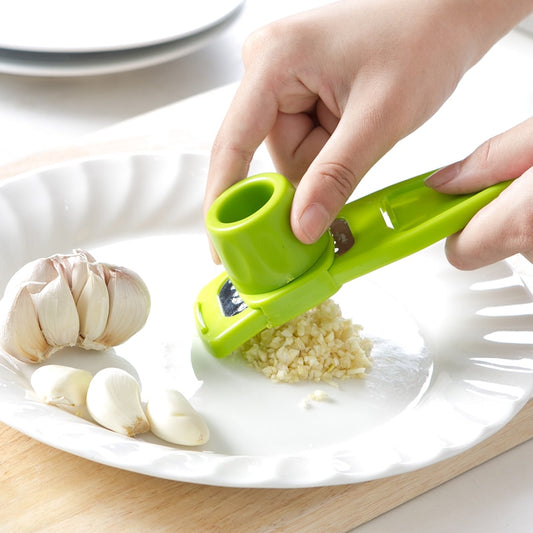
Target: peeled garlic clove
[(61, 385), (114, 401), (93, 309), (20, 333), (172, 418), (58, 317), (129, 305)]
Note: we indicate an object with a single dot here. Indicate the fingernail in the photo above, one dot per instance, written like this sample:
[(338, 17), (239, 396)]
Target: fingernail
[(314, 221), (442, 176)]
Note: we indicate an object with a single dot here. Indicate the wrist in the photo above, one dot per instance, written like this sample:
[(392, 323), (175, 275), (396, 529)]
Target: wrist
[(484, 22)]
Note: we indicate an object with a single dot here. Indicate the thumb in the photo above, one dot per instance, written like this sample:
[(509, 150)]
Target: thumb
[(355, 145), (499, 230), (503, 227), (503, 157)]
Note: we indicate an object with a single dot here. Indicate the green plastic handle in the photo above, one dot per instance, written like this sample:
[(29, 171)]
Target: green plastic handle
[(279, 278), (402, 219)]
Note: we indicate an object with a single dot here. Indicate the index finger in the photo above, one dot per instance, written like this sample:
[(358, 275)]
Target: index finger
[(249, 119)]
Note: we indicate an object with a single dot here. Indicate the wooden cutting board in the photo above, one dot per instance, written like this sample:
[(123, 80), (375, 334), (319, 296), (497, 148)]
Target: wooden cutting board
[(47, 490)]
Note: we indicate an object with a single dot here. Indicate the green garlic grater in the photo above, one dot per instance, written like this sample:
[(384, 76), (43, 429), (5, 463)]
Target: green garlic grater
[(271, 277)]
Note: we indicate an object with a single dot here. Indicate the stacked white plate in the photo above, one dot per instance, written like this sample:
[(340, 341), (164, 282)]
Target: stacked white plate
[(65, 38)]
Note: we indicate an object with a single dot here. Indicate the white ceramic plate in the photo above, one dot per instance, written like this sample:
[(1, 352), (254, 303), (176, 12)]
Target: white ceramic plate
[(27, 63), (102, 25), (453, 356)]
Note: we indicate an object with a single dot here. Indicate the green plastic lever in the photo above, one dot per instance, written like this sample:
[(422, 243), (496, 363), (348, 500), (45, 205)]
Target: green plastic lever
[(271, 277)]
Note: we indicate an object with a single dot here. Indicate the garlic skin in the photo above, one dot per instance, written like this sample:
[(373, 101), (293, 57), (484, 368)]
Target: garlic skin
[(114, 401), (57, 312), (20, 332), (173, 419), (92, 306), (129, 305), (61, 386), (70, 300)]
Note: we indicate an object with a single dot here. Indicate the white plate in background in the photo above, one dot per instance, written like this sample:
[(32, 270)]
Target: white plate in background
[(97, 63), (453, 356), (66, 26)]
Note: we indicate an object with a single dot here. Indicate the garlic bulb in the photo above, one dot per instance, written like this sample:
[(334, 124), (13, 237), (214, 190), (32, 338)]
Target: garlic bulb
[(114, 401), (172, 418), (70, 300)]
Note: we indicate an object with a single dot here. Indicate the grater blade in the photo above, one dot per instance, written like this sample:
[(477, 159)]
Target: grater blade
[(230, 301)]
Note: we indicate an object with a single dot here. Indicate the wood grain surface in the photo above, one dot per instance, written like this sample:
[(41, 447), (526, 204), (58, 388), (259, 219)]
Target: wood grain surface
[(47, 490)]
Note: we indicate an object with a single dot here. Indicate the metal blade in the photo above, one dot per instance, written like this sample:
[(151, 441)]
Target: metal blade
[(230, 301)]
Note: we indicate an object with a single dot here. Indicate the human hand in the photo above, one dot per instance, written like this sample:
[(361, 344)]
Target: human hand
[(505, 226), (333, 89)]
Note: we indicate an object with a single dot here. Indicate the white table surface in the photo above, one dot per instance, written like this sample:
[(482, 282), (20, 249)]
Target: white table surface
[(37, 114)]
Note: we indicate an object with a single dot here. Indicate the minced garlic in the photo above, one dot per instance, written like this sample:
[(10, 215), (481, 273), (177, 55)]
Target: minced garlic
[(319, 345)]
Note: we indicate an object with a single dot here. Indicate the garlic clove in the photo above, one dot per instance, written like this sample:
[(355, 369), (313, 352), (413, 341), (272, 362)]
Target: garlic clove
[(93, 309), (79, 272), (78, 265), (84, 254), (57, 312), (129, 305), (38, 272), (114, 401), (20, 333), (60, 385), (172, 418)]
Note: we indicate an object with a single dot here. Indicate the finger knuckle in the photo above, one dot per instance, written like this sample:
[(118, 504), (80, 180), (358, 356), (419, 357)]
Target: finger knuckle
[(253, 44), (524, 232), (517, 200), (339, 179), (482, 158), (269, 40), (222, 148)]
